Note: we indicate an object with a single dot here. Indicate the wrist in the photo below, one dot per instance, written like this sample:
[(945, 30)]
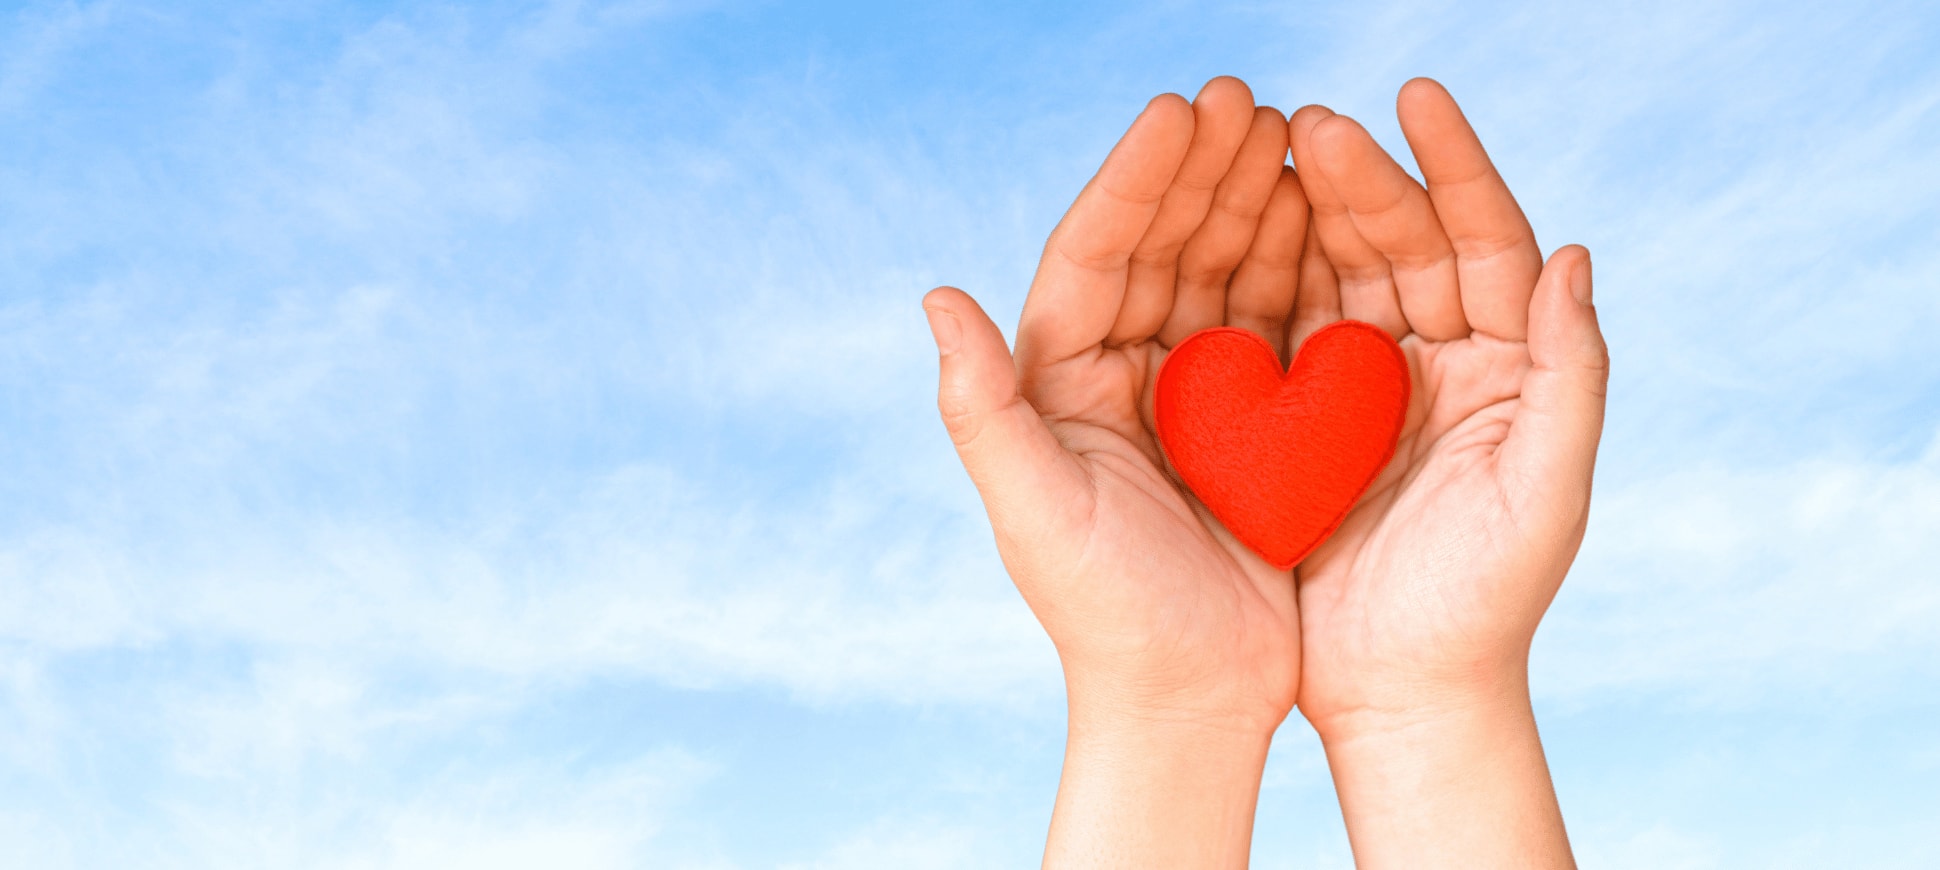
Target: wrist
[(1455, 779), (1398, 696), (1159, 791), (1501, 695), (1224, 709), (1168, 733)]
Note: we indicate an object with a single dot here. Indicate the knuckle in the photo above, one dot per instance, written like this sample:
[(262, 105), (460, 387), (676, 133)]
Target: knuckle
[(1088, 258), (1593, 370), (1157, 255), (966, 422), (959, 419), (1600, 371)]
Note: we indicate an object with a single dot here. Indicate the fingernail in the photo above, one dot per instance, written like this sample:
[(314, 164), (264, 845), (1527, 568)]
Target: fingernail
[(945, 329), (1580, 281)]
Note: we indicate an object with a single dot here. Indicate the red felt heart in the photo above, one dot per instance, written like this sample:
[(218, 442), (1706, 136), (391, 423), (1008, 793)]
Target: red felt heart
[(1281, 457)]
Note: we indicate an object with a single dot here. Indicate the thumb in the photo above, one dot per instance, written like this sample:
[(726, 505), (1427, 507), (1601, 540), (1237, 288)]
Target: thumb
[(1024, 474), (1551, 446)]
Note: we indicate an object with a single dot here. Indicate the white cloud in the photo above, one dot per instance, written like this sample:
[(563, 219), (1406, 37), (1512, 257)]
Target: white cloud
[(918, 844), (829, 597), (1752, 185), (260, 447), (31, 839), (1658, 847), (1734, 583), (508, 816), (312, 762), (533, 820), (336, 271)]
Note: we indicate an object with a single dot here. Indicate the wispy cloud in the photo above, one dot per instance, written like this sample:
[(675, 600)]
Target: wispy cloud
[(501, 817), (367, 388), (1732, 584), (920, 844)]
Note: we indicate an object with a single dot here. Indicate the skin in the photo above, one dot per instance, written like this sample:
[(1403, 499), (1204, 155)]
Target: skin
[(1404, 639)]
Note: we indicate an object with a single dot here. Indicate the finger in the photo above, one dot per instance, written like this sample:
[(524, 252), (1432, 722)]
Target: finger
[(1394, 214), (1220, 242), (1550, 450), (1081, 279), (1317, 302), (1263, 287), (1024, 475), (1366, 289), (1496, 255), (1220, 123)]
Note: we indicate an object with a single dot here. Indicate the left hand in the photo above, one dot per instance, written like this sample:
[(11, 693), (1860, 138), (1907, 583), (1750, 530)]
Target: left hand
[(1431, 590)]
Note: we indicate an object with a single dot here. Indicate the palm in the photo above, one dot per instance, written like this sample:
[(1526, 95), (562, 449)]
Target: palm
[(1174, 582), (1450, 558), (1193, 221), (1413, 562)]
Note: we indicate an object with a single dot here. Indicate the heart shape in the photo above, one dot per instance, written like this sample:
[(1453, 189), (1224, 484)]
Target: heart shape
[(1280, 458)]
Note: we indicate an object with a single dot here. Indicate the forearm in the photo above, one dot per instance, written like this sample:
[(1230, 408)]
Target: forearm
[(1155, 792), (1455, 784)]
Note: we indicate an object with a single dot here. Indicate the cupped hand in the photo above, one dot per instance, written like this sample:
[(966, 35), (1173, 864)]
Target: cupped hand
[(1430, 592), (1194, 220)]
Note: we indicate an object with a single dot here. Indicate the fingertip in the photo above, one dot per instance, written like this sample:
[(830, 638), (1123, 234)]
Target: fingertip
[(1167, 111), (1567, 254), (1222, 112), (1429, 114), (1276, 247), (1559, 271), (976, 364), (1422, 90), (1264, 144), (1562, 319), (1222, 88), (940, 308), (1573, 261), (1336, 141), (1303, 119), (1267, 121), (1300, 129), (942, 297), (1146, 157), (1288, 202), (960, 305), (1335, 132), (1288, 185), (1168, 102)]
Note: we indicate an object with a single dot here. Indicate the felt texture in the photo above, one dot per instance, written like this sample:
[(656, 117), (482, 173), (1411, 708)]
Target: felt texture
[(1278, 457)]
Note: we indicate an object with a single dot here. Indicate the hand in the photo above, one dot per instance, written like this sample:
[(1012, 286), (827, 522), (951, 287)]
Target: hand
[(1417, 615), (1180, 648)]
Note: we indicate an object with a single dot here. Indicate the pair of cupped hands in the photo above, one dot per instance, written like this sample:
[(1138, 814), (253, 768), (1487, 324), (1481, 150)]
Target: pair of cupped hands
[(1404, 638)]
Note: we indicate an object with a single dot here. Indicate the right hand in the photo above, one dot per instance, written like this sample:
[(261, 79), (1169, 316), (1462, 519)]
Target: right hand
[(1193, 221)]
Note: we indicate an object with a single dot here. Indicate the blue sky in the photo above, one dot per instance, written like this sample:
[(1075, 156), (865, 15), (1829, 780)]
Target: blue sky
[(502, 434)]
